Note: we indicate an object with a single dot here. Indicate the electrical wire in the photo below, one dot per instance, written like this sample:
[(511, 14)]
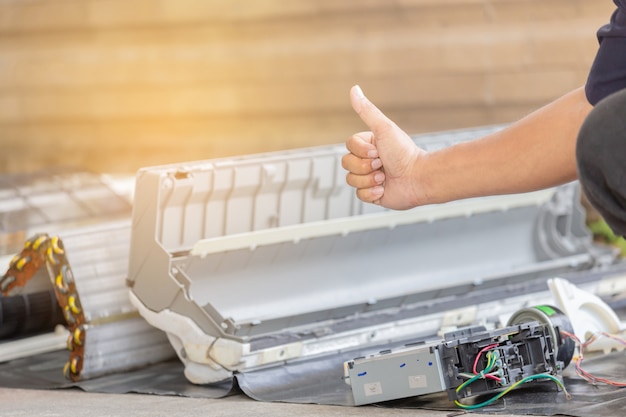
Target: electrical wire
[(587, 376), (491, 361), (509, 389), (478, 355), (490, 371), (486, 348)]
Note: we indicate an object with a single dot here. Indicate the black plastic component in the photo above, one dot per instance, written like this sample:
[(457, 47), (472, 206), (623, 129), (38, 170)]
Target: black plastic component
[(556, 321), (525, 349), (29, 314)]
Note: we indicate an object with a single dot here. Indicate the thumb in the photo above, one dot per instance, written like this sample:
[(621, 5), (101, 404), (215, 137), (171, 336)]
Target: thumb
[(367, 111)]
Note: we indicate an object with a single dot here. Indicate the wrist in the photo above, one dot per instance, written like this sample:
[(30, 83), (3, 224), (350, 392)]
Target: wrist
[(422, 184)]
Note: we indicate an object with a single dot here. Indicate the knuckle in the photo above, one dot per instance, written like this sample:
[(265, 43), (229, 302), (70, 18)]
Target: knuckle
[(345, 163), (349, 179), (364, 195)]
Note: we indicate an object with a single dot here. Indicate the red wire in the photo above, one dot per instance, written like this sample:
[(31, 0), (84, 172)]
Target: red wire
[(478, 357), (589, 377)]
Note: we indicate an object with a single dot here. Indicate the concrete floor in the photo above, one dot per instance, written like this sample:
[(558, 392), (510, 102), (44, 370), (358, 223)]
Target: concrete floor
[(65, 403)]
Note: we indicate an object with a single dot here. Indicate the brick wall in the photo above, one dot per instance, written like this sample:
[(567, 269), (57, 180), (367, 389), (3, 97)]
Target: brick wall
[(113, 85)]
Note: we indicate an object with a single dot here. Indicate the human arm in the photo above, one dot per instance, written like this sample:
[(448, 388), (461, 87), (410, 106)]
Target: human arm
[(536, 152)]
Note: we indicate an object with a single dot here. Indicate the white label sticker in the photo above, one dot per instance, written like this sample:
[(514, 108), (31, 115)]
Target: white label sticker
[(373, 388), (418, 381)]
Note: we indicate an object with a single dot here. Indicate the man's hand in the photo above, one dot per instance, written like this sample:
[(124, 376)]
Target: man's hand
[(538, 151), (382, 163)]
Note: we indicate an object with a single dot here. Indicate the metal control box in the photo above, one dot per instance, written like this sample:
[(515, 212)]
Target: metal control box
[(401, 373)]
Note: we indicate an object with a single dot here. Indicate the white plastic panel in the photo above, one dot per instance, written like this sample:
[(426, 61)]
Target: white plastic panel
[(262, 245)]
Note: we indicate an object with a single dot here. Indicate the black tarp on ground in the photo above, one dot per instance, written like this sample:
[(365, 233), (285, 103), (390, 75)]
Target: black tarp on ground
[(320, 381)]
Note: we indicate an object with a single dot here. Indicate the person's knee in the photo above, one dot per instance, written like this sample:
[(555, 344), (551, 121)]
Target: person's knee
[(603, 134), (601, 159)]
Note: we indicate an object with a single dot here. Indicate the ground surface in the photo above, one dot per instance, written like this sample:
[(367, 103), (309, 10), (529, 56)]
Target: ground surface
[(35, 403)]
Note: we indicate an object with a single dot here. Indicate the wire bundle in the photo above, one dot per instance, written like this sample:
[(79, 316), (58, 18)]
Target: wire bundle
[(493, 370), (587, 376)]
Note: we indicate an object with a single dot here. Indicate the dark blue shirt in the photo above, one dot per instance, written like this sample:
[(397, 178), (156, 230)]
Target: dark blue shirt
[(608, 72)]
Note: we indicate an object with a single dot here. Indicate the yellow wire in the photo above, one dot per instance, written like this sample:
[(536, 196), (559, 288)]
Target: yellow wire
[(510, 388)]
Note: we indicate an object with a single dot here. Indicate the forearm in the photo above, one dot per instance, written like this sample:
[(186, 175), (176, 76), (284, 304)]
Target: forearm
[(534, 153)]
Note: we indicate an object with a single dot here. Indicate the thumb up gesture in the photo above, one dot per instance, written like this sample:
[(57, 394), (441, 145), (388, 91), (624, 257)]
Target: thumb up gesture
[(383, 163)]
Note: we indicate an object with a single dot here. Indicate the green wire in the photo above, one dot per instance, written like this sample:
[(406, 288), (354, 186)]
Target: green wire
[(491, 361), (509, 389)]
